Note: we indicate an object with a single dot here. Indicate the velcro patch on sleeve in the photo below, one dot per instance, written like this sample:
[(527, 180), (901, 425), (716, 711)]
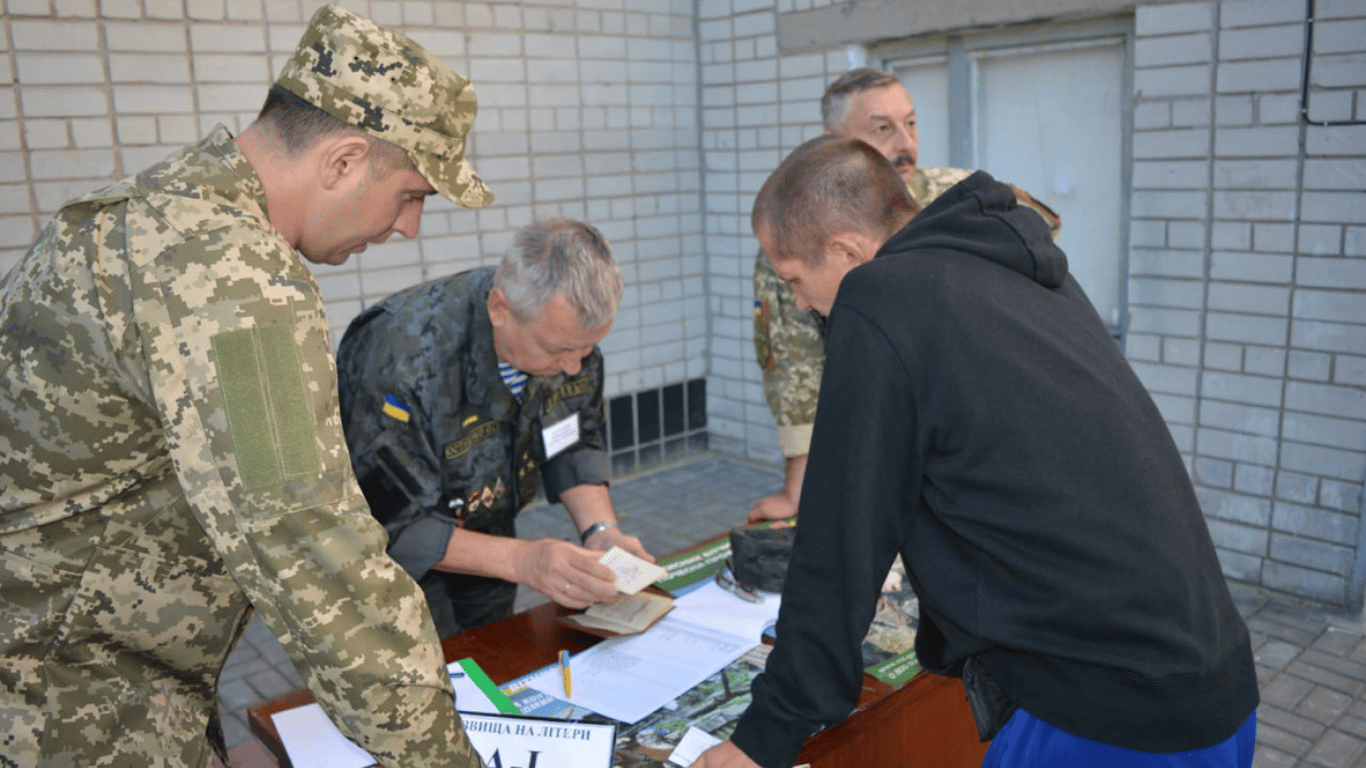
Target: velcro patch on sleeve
[(269, 415)]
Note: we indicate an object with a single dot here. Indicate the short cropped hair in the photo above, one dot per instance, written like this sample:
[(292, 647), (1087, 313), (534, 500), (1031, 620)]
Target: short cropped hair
[(835, 102), (828, 185), (299, 126), (560, 256)]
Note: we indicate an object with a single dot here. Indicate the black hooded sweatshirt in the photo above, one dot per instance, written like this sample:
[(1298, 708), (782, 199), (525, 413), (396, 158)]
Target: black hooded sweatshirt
[(976, 417)]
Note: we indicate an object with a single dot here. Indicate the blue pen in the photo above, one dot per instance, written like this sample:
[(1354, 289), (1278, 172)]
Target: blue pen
[(564, 669)]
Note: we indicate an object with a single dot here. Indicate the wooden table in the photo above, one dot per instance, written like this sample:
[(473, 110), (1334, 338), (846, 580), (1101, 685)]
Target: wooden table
[(925, 722)]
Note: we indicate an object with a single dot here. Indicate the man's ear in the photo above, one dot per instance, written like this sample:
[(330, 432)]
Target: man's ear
[(500, 309), (343, 159), (848, 249)]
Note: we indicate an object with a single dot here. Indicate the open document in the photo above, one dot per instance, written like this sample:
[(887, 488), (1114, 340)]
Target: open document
[(629, 677)]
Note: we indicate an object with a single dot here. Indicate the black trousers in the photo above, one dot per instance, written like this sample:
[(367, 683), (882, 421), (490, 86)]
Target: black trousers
[(461, 602)]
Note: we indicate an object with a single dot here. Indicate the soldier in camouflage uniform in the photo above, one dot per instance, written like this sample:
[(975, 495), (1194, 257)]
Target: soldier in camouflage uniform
[(789, 341), (447, 452), (171, 454)]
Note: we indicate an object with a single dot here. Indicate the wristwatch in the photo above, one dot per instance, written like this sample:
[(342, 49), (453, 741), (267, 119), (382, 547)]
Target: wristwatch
[(588, 532)]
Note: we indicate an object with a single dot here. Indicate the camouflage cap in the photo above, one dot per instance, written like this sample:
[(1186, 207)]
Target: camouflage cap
[(382, 82)]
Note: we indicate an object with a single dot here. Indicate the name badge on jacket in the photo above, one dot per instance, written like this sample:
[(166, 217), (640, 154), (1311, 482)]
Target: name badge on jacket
[(560, 435)]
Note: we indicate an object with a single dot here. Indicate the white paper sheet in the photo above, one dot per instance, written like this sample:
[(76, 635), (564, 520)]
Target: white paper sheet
[(312, 741), (711, 606), (694, 742), (627, 678)]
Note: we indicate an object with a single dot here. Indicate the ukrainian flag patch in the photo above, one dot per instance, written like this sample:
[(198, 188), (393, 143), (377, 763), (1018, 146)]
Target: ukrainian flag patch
[(396, 409)]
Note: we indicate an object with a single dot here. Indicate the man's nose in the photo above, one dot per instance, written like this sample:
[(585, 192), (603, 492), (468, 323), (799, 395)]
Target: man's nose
[(409, 220), (904, 138), (571, 362)]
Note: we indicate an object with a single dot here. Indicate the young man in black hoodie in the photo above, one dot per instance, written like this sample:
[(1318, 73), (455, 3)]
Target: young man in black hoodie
[(976, 418)]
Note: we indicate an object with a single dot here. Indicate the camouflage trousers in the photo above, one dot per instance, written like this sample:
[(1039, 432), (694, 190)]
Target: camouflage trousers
[(790, 348)]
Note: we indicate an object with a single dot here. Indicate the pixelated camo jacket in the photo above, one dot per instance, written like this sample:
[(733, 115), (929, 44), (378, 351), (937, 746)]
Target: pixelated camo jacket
[(170, 452)]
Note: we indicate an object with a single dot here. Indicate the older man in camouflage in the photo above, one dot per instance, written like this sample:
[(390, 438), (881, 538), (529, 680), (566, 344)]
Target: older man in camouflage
[(171, 453), (459, 396), (789, 343)]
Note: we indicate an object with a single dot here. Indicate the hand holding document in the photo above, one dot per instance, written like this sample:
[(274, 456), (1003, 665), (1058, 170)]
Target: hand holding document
[(633, 574), (632, 610)]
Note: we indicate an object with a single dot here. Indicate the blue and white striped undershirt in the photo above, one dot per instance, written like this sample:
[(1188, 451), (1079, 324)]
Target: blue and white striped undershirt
[(513, 378)]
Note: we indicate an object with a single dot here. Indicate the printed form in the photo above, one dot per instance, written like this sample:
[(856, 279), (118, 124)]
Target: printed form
[(627, 678)]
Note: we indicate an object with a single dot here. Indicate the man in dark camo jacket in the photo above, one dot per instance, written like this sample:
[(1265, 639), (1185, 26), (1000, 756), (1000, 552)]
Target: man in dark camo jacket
[(460, 395)]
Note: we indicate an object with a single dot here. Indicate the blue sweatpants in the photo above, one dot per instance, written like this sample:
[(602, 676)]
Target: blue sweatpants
[(1028, 742)]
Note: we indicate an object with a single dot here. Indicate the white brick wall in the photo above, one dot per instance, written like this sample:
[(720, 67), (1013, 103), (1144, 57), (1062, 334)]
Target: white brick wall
[(658, 120), (1278, 415), (1246, 286), (588, 108), (757, 106)]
